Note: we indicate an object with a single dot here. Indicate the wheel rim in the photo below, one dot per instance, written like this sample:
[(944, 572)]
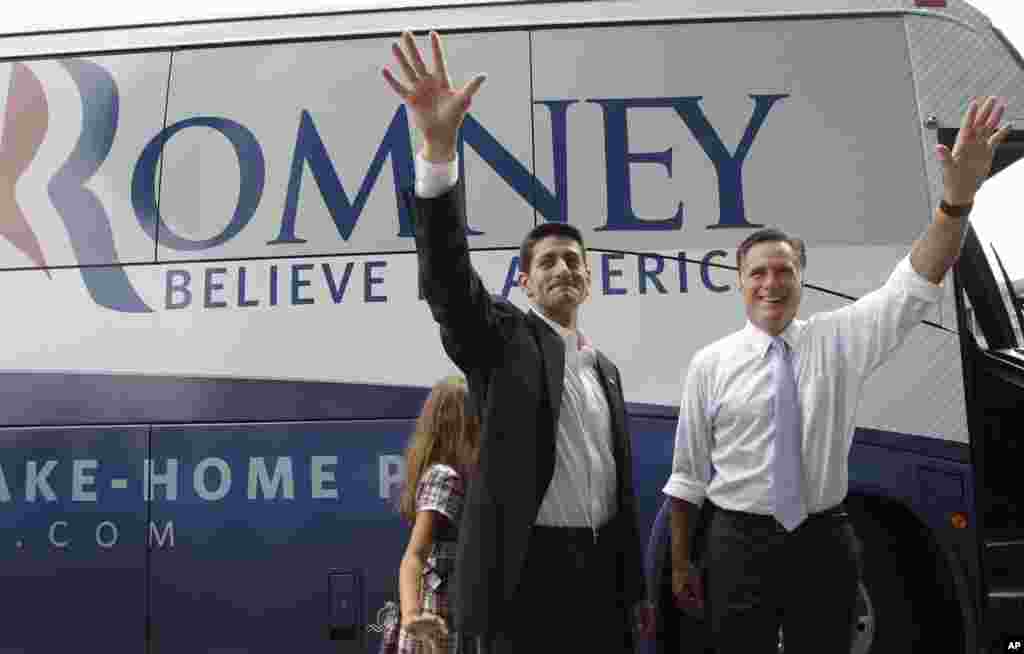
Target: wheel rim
[(863, 626)]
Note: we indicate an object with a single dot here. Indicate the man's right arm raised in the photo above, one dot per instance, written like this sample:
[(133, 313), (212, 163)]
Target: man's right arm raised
[(455, 293)]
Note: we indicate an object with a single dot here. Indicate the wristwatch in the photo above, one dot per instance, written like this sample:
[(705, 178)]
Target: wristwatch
[(955, 210)]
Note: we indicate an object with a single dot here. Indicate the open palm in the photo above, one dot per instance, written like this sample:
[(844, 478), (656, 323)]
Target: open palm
[(436, 107), (970, 161)]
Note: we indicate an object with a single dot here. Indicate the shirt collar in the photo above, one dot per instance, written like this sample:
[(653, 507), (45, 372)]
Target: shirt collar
[(574, 340), (762, 340)]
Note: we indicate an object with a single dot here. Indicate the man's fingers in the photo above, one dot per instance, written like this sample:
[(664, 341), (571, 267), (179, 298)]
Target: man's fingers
[(997, 116), (1000, 136), (440, 65), (470, 89), (403, 61), (414, 54), (972, 113), (984, 113), (397, 86)]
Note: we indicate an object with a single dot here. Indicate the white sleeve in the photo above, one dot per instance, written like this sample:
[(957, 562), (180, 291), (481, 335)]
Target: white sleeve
[(433, 179), (873, 327), (691, 462)]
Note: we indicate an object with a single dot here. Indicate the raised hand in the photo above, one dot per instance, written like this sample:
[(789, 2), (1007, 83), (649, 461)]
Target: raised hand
[(969, 163), (437, 109)]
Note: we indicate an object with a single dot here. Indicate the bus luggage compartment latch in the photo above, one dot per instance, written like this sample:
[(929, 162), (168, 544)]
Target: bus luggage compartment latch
[(345, 605)]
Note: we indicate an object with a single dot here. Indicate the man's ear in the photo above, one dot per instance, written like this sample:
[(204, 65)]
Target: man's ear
[(523, 279)]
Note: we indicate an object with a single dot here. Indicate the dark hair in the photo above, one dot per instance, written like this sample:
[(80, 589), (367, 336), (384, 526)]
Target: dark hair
[(771, 235), (541, 232)]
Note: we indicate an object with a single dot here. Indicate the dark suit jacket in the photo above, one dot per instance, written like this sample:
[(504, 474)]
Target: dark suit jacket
[(515, 366)]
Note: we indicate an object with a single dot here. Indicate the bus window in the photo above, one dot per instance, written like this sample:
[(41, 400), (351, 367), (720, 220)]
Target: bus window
[(1000, 235)]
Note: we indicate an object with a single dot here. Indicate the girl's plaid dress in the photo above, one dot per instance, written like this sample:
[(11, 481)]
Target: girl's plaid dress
[(441, 490)]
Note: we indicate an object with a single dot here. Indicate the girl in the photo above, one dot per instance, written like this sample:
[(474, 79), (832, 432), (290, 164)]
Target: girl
[(440, 456)]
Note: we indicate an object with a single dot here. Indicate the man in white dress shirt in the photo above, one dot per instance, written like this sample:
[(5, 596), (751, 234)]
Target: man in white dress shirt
[(771, 409)]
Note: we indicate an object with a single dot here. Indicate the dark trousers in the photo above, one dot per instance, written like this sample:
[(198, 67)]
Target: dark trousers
[(760, 577), (570, 598)]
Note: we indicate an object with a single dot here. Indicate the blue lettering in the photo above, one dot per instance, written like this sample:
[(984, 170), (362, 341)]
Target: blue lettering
[(242, 300), (298, 282), (705, 271), (518, 176), (309, 147), (251, 172), (560, 154), (369, 281), (212, 286), (618, 160), (683, 282), (646, 274), (178, 282), (273, 285), (728, 167), (511, 277), (607, 273), (337, 288)]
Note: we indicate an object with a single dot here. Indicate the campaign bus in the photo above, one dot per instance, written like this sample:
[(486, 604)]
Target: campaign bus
[(214, 346)]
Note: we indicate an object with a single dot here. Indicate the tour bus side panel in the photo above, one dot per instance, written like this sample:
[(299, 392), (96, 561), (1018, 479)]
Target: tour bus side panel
[(317, 167), (951, 65), (683, 161), (254, 518), (307, 158), (74, 525)]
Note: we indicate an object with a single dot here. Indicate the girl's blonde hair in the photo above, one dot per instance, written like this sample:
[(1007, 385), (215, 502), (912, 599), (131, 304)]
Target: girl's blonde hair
[(446, 432)]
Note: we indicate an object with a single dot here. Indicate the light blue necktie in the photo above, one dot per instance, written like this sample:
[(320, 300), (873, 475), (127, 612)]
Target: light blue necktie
[(788, 467)]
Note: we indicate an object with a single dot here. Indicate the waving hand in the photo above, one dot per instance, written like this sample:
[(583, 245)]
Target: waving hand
[(436, 107), (967, 165)]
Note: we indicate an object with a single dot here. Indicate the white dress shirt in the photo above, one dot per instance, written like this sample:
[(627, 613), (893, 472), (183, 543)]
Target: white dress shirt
[(725, 416), (582, 492), (433, 179), (582, 488)]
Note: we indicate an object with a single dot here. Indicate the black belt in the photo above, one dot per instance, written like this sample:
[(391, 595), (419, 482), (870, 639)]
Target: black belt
[(572, 535), (837, 512)]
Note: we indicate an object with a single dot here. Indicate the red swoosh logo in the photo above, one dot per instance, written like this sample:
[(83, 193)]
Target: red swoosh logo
[(25, 124)]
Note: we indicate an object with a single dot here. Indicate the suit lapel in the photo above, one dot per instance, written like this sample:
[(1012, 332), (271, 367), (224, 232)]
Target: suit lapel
[(612, 392), (553, 353)]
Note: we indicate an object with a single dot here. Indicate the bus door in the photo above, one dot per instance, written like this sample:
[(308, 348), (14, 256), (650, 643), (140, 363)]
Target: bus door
[(986, 279)]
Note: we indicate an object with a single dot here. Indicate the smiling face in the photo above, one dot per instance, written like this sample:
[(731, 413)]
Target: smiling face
[(558, 280), (771, 278)]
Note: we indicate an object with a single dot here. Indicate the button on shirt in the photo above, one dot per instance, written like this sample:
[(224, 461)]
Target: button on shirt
[(582, 492), (725, 416)]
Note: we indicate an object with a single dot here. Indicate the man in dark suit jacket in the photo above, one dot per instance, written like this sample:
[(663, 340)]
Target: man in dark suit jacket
[(548, 543)]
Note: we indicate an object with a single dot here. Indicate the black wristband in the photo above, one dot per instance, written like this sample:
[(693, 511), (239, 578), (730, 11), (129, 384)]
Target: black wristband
[(955, 210)]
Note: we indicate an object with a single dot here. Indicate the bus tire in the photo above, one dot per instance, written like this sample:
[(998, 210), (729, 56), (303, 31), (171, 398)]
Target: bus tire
[(886, 608)]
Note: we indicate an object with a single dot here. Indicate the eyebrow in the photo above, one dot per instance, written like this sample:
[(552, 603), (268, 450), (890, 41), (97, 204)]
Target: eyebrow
[(789, 265)]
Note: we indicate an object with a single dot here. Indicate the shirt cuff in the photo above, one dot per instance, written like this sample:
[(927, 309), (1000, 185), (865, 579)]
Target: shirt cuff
[(915, 284), (434, 179), (683, 488)]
